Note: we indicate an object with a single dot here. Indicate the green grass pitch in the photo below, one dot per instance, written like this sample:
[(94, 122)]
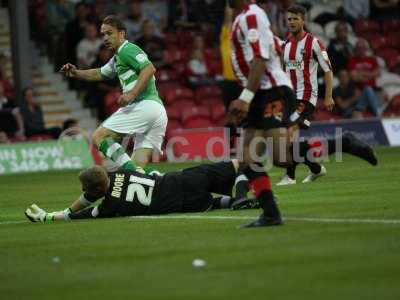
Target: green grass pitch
[(344, 257)]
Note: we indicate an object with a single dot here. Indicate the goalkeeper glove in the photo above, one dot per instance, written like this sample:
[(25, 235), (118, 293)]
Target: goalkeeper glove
[(35, 214)]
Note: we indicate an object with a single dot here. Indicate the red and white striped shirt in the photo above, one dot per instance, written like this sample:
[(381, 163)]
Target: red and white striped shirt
[(301, 59), (252, 37)]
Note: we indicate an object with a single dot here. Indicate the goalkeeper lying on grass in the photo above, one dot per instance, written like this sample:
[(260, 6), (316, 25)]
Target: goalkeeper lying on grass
[(132, 193)]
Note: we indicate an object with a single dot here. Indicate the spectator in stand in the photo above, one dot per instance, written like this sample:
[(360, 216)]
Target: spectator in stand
[(199, 73), (87, 49), (4, 138), (7, 86), (363, 68), (97, 91), (116, 7), (75, 29), (134, 21), (354, 10), (229, 86), (157, 12), (10, 117), (340, 49), (382, 10), (152, 44), (33, 117), (352, 101), (59, 14), (277, 14)]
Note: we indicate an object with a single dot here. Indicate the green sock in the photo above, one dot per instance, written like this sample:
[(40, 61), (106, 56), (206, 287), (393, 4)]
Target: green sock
[(117, 154)]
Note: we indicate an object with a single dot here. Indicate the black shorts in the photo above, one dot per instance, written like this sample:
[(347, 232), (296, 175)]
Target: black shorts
[(199, 182), (271, 108)]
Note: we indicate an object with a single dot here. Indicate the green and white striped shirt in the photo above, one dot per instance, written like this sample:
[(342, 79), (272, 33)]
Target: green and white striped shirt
[(127, 64)]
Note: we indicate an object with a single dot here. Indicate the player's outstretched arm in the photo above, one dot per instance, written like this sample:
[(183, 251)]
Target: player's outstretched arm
[(70, 70), (36, 214)]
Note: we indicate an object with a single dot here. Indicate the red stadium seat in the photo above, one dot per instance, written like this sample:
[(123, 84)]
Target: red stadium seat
[(394, 64), (379, 43), (395, 104), (388, 54), (111, 102), (174, 113), (164, 87), (173, 55), (325, 116), (389, 26), (172, 125), (393, 39), (210, 91), (165, 75), (170, 39), (179, 93), (369, 36), (196, 117), (218, 114), (210, 102), (363, 26)]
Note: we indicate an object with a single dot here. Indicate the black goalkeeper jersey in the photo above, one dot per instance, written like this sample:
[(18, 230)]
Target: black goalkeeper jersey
[(133, 193)]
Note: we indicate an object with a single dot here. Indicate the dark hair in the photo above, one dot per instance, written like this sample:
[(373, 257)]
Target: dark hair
[(68, 123), (25, 90), (298, 10), (115, 22)]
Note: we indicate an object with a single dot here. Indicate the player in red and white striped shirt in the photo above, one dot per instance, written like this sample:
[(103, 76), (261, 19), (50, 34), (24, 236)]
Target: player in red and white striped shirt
[(302, 54), (267, 99)]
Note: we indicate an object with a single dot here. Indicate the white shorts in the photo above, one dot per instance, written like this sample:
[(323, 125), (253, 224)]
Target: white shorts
[(146, 120)]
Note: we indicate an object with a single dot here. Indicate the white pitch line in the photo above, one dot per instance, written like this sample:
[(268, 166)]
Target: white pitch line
[(310, 219), (295, 219)]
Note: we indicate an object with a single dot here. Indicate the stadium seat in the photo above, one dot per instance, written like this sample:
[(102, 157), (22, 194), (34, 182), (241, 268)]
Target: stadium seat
[(196, 117), (379, 42), (369, 35), (111, 102), (179, 93), (176, 108), (210, 102), (211, 91), (218, 114), (172, 125), (324, 115), (174, 113), (388, 54), (390, 26), (171, 39), (173, 55), (393, 39), (363, 26), (395, 103), (164, 75), (164, 87), (394, 64)]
